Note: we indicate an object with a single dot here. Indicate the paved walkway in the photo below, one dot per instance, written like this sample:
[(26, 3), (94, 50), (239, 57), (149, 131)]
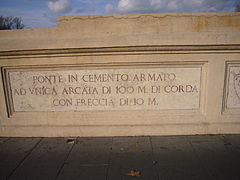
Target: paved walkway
[(119, 158)]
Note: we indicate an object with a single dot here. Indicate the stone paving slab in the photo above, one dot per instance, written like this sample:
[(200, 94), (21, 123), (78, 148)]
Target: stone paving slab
[(220, 159), (2, 140), (131, 153), (176, 159), (13, 152), (233, 140), (45, 160), (113, 158), (88, 159)]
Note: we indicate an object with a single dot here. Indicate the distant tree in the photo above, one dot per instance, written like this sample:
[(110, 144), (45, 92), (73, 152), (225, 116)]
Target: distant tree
[(237, 8), (11, 23)]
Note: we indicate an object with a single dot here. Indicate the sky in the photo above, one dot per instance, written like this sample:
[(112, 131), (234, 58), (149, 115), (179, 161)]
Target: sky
[(43, 13)]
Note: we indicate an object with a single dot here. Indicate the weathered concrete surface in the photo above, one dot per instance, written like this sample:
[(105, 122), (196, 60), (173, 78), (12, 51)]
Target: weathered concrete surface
[(112, 158), (128, 30), (201, 50)]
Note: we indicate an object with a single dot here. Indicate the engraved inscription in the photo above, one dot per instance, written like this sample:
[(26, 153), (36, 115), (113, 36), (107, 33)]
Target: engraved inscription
[(106, 89), (233, 96)]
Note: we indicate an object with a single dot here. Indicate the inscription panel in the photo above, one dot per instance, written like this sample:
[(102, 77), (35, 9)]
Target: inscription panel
[(233, 86), (159, 88)]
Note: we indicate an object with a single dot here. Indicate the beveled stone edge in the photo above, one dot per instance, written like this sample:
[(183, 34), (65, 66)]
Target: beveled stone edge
[(225, 110), (165, 49), (7, 92), (154, 15), (7, 87), (136, 130)]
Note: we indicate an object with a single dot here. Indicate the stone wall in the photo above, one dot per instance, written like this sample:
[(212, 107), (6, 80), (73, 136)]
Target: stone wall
[(122, 75)]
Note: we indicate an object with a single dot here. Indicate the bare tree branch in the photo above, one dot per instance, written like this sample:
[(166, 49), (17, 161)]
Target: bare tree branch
[(237, 7), (11, 23)]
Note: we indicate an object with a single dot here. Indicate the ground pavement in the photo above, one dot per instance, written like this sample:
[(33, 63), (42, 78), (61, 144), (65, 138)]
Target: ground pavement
[(204, 157)]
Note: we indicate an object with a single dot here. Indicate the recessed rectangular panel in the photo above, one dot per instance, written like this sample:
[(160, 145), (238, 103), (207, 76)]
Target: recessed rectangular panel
[(152, 88), (233, 86)]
